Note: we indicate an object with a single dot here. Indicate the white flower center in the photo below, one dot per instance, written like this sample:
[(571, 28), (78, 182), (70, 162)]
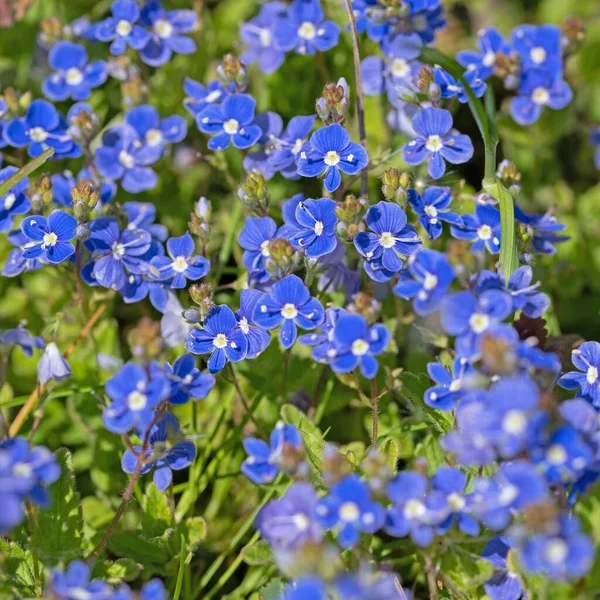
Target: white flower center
[(123, 28), (431, 211), (301, 522), (126, 159), (213, 96), (514, 422), (154, 137), (289, 311), (556, 551), (163, 28), (136, 400), (479, 322), (332, 158), (21, 469), (430, 281), (538, 55), (434, 143), (50, 239), (244, 325), (297, 146), (540, 96), (456, 501), (400, 68), (489, 58), (592, 375), (9, 201), (414, 509), (485, 232), (265, 38), (179, 264), (264, 248), (118, 251), (360, 347), (231, 126), (349, 512), (556, 455), (318, 228), (37, 134), (455, 385), (220, 340), (307, 31), (507, 494), (74, 76), (386, 239)]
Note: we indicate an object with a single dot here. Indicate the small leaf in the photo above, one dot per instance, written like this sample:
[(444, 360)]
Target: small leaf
[(271, 591), (257, 554), (194, 532), (157, 516), (122, 569), (311, 434), (16, 567)]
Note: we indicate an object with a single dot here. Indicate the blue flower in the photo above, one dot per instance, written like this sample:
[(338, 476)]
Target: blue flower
[(366, 585), (73, 77), (266, 461), (468, 317), (391, 237), (153, 590), (503, 584), (594, 141), (50, 238), (317, 220), (257, 35), (330, 151), (270, 124), (289, 522), (63, 184), (336, 275), (199, 96), (134, 394), (304, 29), (19, 336), (538, 88), (230, 122), (164, 454), (154, 131), (451, 87), (306, 588), (449, 388), (587, 383), (291, 305), (187, 381), (24, 474), (435, 143), (141, 215), (220, 338), (427, 279), (357, 344), (254, 239), (323, 344), (42, 127), (258, 338), (491, 44), (288, 146), (75, 581), (16, 263), (52, 365), (14, 202), (538, 47), (181, 264), (121, 29), (544, 228), (167, 29), (124, 156), (433, 208), (482, 228), (350, 510)]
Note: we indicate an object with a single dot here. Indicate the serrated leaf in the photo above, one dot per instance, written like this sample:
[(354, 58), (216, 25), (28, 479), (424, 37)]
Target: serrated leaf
[(122, 569), (152, 555), (271, 591), (311, 434), (58, 534), (258, 553), (16, 567), (157, 516)]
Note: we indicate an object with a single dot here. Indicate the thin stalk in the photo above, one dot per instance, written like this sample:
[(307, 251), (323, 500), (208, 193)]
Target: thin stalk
[(375, 407), (25, 171), (431, 578), (36, 565), (245, 402)]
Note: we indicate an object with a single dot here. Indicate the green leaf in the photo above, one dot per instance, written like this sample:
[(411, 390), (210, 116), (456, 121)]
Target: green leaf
[(122, 569), (194, 531), (311, 434), (157, 516), (16, 567), (58, 533), (25, 171), (271, 591), (257, 554), (153, 555)]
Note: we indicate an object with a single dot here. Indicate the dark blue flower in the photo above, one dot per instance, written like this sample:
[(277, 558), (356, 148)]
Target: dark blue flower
[(317, 220), (230, 122), (14, 202), (323, 343), (220, 338), (538, 47), (270, 124), (449, 389), (165, 453), (435, 142), (287, 147), (75, 581), (427, 279), (390, 237), (154, 131), (350, 510), (121, 29), (544, 228), (266, 461), (482, 228), (357, 344), (254, 239), (587, 382), (16, 263), (306, 588), (491, 44), (330, 151), (258, 338), (141, 215), (153, 590), (451, 87), (50, 238), (166, 37), (187, 381), (19, 336), (305, 30), (503, 584), (433, 208), (291, 305), (199, 96), (42, 127)]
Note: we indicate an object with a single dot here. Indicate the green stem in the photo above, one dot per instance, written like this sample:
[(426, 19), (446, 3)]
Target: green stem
[(25, 171)]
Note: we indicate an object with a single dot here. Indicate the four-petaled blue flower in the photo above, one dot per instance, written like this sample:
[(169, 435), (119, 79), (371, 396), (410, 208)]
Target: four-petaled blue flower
[(254, 239), (538, 47), (330, 151), (491, 44), (164, 453), (14, 202), (154, 131), (230, 122), (451, 87), (503, 584), (482, 228), (435, 142), (220, 338), (433, 208), (587, 383), (199, 96), (323, 344), (258, 338), (449, 388), (317, 220), (187, 381), (291, 304), (50, 237), (121, 29), (181, 264)]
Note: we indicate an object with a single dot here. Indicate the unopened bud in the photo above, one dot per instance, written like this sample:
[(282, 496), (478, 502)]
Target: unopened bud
[(508, 173), (202, 295), (281, 251), (425, 79), (333, 104), (85, 198), (43, 190), (349, 210), (395, 185), (232, 71), (254, 193), (573, 34)]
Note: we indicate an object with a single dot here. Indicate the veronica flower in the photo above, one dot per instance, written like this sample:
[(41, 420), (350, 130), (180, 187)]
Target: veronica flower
[(389, 238), (220, 338), (181, 264), (199, 96), (538, 47), (154, 131), (187, 381), (317, 220), (435, 143), (304, 29), (42, 127), (258, 338), (451, 87), (587, 359), (52, 365), (288, 146), (16, 263), (491, 44), (291, 305), (254, 239), (350, 510), (121, 29), (141, 215), (307, 588), (270, 124), (164, 453), (76, 581), (330, 151), (452, 483), (449, 388), (336, 275), (482, 228), (14, 202), (50, 238), (504, 584), (323, 344), (544, 228), (230, 122), (134, 394), (21, 337), (166, 37)]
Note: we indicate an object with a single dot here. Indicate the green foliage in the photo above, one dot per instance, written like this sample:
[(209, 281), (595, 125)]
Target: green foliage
[(16, 569)]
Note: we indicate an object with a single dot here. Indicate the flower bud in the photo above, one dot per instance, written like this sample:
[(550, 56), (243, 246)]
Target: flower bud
[(232, 71), (349, 210), (85, 198), (50, 31), (425, 79), (281, 252), (333, 104), (395, 185), (508, 173), (573, 34), (202, 295), (254, 193), (52, 365)]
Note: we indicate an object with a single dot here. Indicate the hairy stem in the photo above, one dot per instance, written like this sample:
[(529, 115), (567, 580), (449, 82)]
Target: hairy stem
[(245, 402), (36, 566), (375, 406), (431, 578)]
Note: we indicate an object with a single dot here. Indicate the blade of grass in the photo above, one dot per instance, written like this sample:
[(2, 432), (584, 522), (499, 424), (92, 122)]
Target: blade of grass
[(25, 171)]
